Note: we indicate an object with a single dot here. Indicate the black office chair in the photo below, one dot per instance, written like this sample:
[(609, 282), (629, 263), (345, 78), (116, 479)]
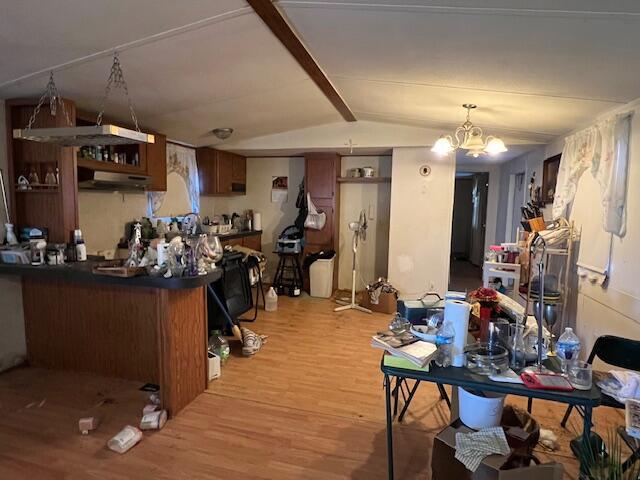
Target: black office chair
[(618, 352)]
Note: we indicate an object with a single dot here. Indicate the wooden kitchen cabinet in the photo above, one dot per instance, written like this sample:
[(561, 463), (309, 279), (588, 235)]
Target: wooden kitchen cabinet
[(221, 173), (156, 163), (321, 182), (251, 240), (152, 156)]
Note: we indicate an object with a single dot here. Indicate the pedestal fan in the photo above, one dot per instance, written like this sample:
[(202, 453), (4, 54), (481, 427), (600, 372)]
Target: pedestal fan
[(359, 230)]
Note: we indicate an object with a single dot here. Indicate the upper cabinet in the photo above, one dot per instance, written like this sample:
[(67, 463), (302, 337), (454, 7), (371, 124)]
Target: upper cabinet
[(221, 173), (144, 159)]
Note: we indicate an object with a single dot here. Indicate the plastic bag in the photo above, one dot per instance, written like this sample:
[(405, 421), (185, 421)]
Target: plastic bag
[(315, 219)]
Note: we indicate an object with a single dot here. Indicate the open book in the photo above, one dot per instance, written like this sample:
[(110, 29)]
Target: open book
[(405, 345)]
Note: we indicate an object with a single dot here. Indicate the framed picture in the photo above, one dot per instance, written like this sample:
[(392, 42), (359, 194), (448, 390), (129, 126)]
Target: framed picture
[(549, 178)]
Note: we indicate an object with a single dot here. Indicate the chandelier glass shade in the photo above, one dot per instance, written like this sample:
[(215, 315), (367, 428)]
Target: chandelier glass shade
[(469, 137)]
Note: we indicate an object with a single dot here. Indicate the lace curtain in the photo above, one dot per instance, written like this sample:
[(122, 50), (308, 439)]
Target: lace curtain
[(181, 161), (603, 149)]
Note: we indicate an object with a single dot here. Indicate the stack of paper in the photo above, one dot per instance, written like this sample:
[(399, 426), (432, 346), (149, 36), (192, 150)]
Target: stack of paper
[(406, 346)]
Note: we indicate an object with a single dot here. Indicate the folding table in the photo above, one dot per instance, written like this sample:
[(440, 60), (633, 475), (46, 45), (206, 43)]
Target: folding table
[(462, 377)]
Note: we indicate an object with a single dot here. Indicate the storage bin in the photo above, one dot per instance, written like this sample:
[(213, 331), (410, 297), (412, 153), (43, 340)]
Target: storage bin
[(480, 412), (321, 277)]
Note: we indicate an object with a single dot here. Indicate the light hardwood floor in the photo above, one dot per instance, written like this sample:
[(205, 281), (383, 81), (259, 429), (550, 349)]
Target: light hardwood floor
[(310, 405)]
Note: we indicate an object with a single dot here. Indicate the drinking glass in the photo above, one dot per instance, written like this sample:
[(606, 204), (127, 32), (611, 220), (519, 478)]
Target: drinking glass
[(580, 375)]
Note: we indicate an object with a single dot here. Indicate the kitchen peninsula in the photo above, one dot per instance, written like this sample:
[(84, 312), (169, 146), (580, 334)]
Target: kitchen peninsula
[(148, 329)]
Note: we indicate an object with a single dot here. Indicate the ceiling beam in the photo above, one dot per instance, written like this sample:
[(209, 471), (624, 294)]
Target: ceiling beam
[(272, 17)]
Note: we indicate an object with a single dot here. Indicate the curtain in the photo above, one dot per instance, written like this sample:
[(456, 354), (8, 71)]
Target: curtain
[(604, 150), (182, 161)]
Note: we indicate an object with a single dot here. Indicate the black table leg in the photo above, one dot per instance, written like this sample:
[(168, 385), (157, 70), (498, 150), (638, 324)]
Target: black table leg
[(586, 429), (387, 391), (396, 396), (408, 400)]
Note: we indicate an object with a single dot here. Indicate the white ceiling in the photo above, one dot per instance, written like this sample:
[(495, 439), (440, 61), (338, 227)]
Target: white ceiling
[(185, 79), (536, 69)]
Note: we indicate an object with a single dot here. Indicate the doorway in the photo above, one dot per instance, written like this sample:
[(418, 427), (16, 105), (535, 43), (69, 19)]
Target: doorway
[(516, 200), (468, 230)]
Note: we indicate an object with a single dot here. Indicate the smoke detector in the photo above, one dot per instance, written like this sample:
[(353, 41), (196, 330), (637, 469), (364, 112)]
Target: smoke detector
[(222, 133)]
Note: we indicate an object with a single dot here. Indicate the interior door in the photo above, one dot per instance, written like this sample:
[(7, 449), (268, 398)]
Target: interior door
[(479, 217), (517, 202)]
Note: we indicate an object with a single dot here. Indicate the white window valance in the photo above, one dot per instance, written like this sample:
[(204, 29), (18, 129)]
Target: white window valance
[(183, 188), (603, 149)]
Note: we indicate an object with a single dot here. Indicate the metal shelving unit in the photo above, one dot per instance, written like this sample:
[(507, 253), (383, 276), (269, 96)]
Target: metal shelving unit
[(563, 269)]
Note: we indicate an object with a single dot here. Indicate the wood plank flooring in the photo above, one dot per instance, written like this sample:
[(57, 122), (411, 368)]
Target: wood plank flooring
[(310, 405)]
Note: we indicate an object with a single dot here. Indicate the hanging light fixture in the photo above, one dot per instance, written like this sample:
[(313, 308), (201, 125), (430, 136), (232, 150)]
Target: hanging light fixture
[(93, 135), (469, 137)]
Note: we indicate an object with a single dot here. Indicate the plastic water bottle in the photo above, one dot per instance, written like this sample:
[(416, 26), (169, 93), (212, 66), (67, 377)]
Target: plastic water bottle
[(568, 348), (444, 342), (219, 345), (271, 301)]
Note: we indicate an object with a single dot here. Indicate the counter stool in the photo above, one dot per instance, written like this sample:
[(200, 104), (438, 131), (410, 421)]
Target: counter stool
[(288, 278)]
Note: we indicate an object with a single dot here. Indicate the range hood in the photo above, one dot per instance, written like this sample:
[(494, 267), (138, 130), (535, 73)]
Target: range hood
[(93, 135), (93, 180)]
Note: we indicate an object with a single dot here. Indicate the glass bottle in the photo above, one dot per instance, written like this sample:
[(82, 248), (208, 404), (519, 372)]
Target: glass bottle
[(219, 345), (518, 348)]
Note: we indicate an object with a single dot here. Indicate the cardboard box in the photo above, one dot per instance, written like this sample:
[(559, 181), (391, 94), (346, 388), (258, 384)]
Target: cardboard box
[(387, 303), (444, 465)]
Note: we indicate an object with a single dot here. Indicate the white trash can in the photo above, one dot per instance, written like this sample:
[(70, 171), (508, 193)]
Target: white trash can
[(321, 277), (480, 412)]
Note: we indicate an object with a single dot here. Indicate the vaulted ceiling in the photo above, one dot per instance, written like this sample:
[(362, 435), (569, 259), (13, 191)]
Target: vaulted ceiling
[(536, 69)]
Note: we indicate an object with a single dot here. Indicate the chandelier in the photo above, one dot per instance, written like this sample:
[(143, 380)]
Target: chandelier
[(469, 137)]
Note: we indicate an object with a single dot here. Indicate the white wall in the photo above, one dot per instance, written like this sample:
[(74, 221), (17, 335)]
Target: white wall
[(102, 216), (13, 348), (275, 216), (376, 200), (528, 163), (493, 196), (421, 215), (615, 309)]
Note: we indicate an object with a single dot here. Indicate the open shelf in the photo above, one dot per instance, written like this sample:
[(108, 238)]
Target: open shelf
[(108, 166), (364, 179), (37, 188)]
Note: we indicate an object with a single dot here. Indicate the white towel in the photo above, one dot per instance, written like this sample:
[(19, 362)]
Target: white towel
[(595, 242), (621, 385)]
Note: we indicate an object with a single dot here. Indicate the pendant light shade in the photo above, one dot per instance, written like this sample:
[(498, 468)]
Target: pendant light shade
[(443, 146), (495, 146)]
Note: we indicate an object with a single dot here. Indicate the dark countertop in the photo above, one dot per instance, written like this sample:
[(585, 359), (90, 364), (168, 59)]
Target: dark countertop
[(245, 233), (80, 272)]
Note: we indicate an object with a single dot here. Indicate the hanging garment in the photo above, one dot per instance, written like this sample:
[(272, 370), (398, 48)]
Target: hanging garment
[(604, 150), (595, 244)]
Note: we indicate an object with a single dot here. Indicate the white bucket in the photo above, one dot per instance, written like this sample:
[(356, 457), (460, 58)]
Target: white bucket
[(480, 412)]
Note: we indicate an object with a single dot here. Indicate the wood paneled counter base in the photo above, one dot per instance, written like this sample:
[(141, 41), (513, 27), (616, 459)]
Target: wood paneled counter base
[(146, 334)]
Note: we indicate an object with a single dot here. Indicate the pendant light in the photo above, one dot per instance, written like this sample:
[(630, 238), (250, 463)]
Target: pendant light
[(469, 137), (93, 135)]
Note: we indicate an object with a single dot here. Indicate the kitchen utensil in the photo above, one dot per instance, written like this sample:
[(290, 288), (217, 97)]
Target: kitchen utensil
[(38, 248), (23, 183), (368, 172)]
